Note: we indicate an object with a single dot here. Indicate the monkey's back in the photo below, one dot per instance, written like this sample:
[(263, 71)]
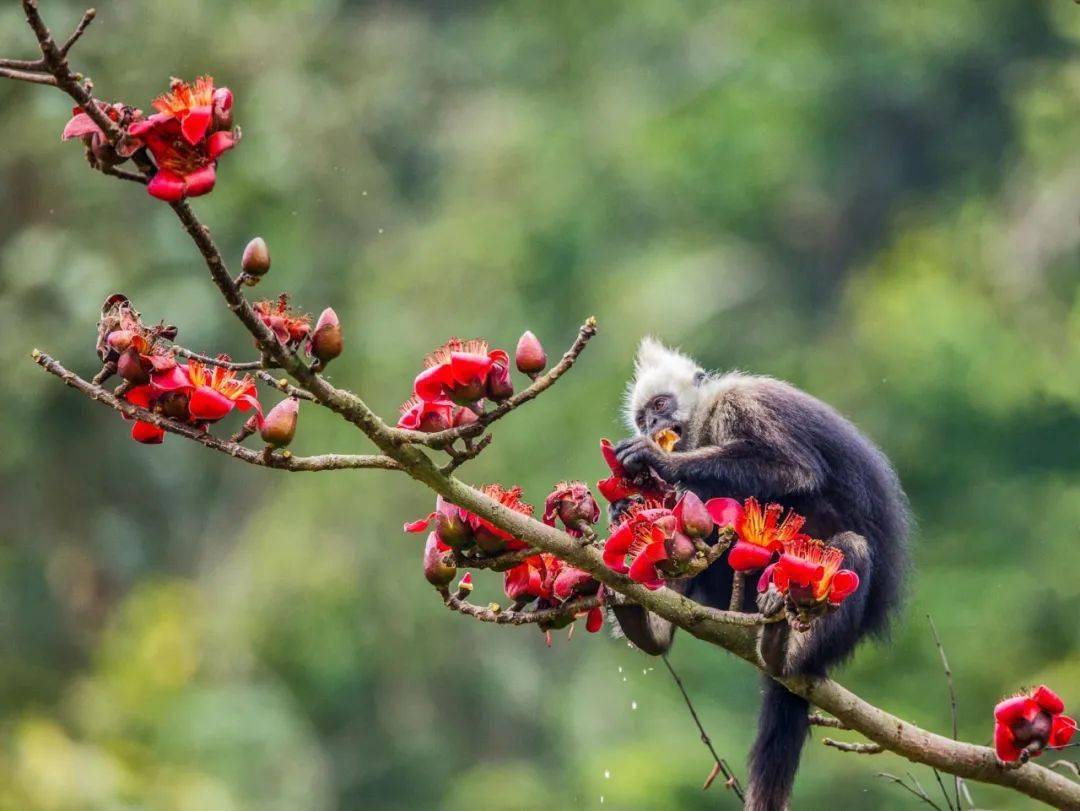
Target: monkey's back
[(844, 481)]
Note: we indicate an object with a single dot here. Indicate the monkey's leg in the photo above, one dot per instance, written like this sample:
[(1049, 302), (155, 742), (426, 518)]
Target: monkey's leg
[(645, 629), (832, 636)]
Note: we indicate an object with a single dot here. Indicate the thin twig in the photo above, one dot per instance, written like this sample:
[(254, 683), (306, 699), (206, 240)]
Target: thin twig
[(857, 748), (944, 793), (507, 616), (816, 719), (246, 366), (33, 77), (922, 795), (280, 461), (952, 697), (123, 174), (80, 29), (732, 782)]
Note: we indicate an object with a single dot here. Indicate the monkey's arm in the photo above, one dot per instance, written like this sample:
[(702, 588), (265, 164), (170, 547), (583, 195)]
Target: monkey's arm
[(767, 467)]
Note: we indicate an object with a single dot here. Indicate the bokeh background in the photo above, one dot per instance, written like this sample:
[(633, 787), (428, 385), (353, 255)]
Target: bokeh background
[(879, 202)]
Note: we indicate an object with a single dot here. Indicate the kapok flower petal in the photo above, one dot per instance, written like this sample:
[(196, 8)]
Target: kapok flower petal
[(146, 433), (608, 452), (468, 366), (614, 489), (140, 395), (595, 620), (1048, 700), (195, 124), (167, 186), (1004, 744), (801, 571), (420, 524), (220, 142), (745, 557), (207, 404), (201, 181), (617, 546), (725, 511), (80, 125), (1015, 708), (766, 577), (643, 568), (170, 379), (430, 383), (1062, 728), (844, 583)]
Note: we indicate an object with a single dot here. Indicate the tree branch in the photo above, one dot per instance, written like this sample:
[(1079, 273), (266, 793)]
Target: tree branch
[(279, 461)]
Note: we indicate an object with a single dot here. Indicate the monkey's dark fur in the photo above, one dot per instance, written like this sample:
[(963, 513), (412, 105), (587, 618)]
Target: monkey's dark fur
[(744, 436)]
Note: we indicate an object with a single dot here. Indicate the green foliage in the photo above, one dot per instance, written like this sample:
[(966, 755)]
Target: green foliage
[(876, 201)]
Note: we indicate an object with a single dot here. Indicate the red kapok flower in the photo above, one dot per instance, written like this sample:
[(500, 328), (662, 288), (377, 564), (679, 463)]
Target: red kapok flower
[(459, 371), (431, 416), (809, 571), (184, 169), (213, 390), (571, 503), (488, 536), (526, 581), (1030, 722), (760, 533), (290, 327), (641, 537), (619, 485), (196, 107)]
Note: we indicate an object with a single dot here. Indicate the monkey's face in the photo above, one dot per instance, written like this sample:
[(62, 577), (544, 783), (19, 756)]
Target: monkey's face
[(660, 413)]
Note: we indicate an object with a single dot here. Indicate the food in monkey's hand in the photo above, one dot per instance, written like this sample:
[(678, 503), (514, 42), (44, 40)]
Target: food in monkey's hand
[(666, 439), (808, 574)]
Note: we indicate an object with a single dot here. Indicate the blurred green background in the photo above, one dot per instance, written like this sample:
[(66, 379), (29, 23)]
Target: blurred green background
[(879, 202)]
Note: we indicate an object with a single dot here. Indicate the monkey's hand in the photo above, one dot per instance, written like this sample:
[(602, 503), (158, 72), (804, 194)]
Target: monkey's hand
[(771, 602), (639, 454)]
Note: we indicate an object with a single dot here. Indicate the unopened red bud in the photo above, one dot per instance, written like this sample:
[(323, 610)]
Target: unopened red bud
[(530, 356), (465, 585), (279, 425), (130, 367), (256, 259), (326, 341), (439, 568), (693, 517), (222, 109), (681, 548)]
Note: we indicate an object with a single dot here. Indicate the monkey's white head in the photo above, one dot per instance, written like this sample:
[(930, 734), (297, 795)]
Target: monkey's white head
[(665, 388)]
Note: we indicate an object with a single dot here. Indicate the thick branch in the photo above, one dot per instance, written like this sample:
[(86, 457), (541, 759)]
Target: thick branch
[(278, 461)]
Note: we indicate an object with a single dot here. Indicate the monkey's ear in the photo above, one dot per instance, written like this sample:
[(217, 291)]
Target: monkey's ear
[(699, 377)]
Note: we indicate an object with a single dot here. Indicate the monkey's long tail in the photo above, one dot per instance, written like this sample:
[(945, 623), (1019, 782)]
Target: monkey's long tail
[(782, 727)]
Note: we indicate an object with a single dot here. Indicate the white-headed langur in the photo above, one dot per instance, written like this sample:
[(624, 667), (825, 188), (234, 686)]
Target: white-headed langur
[(743, 435)]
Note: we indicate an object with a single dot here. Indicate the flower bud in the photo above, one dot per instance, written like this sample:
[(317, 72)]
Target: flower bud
[(326, 343), (530, 356), (499, 385), (222, 109), (439, 568), (465, 586), (279, 425), (693, 517), (680, 548), (256, 259), (453, 529), (130, 367)]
